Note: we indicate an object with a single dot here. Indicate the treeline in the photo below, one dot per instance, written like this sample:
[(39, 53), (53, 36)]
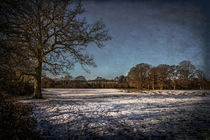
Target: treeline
[(142, 76), (81, 82), (181, 76)]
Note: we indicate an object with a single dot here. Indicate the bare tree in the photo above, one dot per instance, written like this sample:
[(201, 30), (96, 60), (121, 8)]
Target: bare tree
[(186, 71), (182, 76), (201, 78), (153, 77), (139, 74), (53, 35), (80, 78), (162, 74), (173, 75)]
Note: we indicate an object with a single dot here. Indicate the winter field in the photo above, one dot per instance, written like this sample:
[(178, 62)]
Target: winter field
[(118, 114)]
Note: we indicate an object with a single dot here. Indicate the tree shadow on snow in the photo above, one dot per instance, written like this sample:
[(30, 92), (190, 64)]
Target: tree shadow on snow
[(178, 120)]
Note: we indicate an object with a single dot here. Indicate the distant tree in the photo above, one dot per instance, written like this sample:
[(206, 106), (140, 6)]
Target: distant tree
[(50, 34), (173, 76), (139, 74), (116, 78), (80, 78), (153, 77), (162, 75), (66, 80), (99, 78), (201, 80), (186, 72), (48, 82), (67, 77), (122, 79)]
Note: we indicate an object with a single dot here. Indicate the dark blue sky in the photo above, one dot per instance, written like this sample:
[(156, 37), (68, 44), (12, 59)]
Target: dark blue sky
[(147, 31)]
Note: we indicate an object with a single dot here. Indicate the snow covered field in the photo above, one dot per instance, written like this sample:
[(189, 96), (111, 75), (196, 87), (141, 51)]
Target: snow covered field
[(117, 114)]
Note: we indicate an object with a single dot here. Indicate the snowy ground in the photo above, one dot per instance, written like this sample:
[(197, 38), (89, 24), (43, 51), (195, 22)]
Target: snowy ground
[(117, 114)]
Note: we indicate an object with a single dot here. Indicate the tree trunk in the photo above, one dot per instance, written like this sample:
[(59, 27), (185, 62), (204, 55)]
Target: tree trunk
[(153, 85), (37, 82), (138, 85), (161, 86)]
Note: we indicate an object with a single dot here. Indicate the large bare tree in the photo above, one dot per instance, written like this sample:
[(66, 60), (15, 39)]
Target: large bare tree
[(53, 34)]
